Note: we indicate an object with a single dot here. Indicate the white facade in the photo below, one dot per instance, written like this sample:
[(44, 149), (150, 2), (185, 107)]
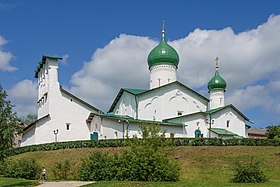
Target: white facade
[(162, 74), (57, 110), (217, 99)]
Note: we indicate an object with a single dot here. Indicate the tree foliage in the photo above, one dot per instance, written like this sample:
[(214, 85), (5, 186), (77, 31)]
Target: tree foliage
[(9, 122), (30, 118), (273, 132)]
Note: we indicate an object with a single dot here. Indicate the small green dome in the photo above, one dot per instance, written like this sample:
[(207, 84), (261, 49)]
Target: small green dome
[(163, 54), (217, 83)]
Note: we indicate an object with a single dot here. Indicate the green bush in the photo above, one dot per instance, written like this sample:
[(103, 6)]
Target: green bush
[(98, 166), (25, 168), (144, 161), (126, 142), (248, 172), (61, 170)]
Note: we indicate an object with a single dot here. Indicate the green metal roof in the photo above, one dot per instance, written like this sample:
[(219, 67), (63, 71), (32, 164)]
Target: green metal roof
[(163, 54), (134, 91), (217, 82), (130, 119), (223, 132), (178, 117), (41, 63)]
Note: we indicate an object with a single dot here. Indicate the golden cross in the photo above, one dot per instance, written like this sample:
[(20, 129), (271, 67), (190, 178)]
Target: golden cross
[(162, 32), (217, 62)]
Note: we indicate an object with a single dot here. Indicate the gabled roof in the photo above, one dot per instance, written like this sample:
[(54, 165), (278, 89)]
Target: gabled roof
[(41, 63), (209, 112), (138, 92), (80, 100), (129, 90), (223, 132), (131, 120), (182, 116), (33, 123)]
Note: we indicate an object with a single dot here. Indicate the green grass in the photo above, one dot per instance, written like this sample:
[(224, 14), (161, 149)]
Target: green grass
[(178, 184), (11, 182), (200, 165)]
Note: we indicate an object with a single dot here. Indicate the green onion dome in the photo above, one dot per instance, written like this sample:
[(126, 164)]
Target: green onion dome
[(163, 54), (217, 83)]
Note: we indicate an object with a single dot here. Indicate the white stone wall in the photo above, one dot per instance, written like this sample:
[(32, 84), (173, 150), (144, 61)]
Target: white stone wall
[(126, 105), (236, 122), (161, 75), (193, 123), (167, 102), (116, 129), (63, 110), (29, 137), (217, 99)]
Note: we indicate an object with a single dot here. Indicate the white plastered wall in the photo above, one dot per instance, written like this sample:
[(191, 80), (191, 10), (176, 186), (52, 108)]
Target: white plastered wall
[(236, 122), (167, 102), (108, 128), (193, 123), (162, 74), (126, 105)]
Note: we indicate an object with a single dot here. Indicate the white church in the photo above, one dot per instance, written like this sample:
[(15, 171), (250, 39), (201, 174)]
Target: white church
[(178, 109)]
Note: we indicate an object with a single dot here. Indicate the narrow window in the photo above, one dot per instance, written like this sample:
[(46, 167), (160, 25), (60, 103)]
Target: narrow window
[(228, 121), (68, 126)]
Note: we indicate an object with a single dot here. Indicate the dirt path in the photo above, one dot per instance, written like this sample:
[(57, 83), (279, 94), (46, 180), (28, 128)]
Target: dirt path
[(64, 184)]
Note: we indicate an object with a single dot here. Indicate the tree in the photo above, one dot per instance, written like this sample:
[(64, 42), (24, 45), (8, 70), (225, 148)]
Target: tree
[(30, 118), (273, 132), (9, 122)]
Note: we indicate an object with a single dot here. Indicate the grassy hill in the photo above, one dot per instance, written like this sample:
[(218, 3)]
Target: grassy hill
[(200, 165)]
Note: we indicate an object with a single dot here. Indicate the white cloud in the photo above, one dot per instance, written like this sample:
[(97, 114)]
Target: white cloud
[(64, 59), (5, 57), (122, 63), (24, 96), (246, 59)]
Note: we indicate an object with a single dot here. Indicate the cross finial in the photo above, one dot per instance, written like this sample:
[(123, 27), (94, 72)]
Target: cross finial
[(162, 32), (217, 63)]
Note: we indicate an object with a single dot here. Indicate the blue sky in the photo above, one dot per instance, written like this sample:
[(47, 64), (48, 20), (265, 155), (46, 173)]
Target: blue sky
[(89, 33)]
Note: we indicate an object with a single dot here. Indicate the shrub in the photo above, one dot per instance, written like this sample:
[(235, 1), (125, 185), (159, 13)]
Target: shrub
[(248, 172), (145, 161), (61, 170), (24, 168), (98, 166)]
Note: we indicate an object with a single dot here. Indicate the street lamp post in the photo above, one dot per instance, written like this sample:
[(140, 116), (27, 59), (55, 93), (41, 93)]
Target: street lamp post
[(55, 134), (210, 122)]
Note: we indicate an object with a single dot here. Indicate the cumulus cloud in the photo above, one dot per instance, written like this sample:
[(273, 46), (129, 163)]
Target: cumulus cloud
[(5, 57), (121, 63), (64, 59), (247, 62), (24, 96)]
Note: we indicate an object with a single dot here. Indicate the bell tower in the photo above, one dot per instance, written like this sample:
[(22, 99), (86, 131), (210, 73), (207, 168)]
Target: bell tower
[(48, 85), (217, 87), (163, 62)]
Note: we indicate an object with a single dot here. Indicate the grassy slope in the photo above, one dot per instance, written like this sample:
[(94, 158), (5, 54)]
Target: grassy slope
[(201, 166), (11, 182)]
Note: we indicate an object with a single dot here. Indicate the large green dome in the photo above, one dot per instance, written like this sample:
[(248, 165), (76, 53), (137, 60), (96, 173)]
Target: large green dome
[(217, 83), (163, 54)]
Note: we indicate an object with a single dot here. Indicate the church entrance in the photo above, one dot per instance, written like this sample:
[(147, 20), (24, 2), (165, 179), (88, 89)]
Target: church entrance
[(94, 136), (197, 134)]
